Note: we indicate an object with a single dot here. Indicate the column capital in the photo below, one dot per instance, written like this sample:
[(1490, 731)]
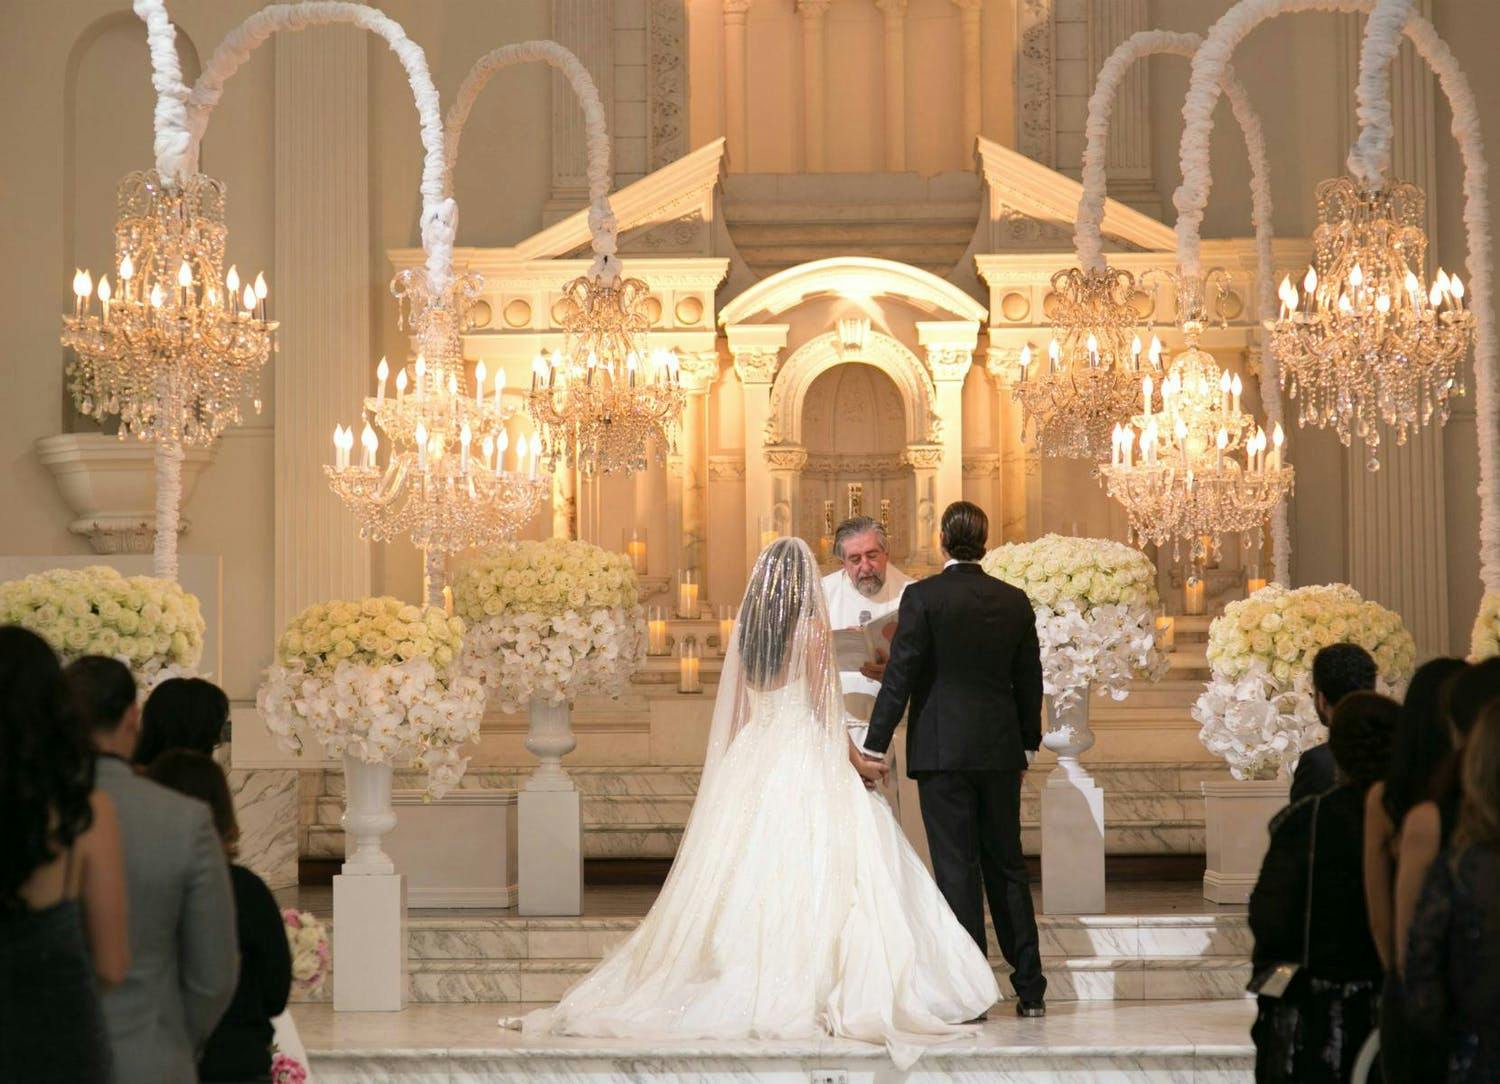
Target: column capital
[(756, 349), (699, 371), (892, 9), (950, 347), (736, 8), (969, 5), (922, 456), (791, 457), (813, 9)]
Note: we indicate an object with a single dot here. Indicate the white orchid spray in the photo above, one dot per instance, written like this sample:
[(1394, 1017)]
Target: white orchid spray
[(1257, 709), (1096, 602)]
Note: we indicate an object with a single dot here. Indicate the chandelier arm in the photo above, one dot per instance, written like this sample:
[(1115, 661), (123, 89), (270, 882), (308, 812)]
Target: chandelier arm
[(439, 215), (602, 224), (168, 508), (1192, 196)]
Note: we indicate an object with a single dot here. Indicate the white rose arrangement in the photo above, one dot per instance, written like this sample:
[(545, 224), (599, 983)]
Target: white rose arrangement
[(1484, 643), (379, 680), (1096, 603), (1257, 709), (151, 625), (550, 620)]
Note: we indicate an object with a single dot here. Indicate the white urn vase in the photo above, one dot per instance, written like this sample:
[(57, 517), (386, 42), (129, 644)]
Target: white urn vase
[(368, 816), (1072, 815), (549, 738), (1236, 818), (549, 809)]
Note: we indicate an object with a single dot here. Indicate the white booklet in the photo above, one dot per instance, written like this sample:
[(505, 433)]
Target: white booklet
[(857, 646)]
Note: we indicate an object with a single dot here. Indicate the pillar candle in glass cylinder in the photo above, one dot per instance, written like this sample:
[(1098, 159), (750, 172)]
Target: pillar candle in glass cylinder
[(687, 594), (635, 548), (1254, 584), (726, 627), (689, 664), (1193, 596), (656, 630)]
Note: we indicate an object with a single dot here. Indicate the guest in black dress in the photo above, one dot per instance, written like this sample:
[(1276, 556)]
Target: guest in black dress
[(1452, 977), (63, 930), (182, 713), (1308, 908), (239, 1050)]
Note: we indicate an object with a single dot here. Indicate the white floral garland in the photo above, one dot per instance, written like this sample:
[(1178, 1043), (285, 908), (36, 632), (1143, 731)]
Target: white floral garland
[(1256, 711), (1191, 196), (1095, 602)]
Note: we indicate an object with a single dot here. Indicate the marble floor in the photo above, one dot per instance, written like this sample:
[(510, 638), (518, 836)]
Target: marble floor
[(1085, 1041)]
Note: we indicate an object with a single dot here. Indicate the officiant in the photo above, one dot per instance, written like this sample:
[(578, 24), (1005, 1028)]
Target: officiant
[(865, 587)]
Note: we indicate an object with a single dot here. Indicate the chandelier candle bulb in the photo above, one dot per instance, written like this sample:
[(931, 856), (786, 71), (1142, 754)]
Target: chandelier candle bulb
[(499, 386), (1146, 386), (1025, 360), (370, 444), (1236, 387), (465, 437), (401, 385), (1277, 439), (479, 374), (382, 373)]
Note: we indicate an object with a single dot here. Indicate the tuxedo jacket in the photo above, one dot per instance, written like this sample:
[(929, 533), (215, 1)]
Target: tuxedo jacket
[(966, 657)]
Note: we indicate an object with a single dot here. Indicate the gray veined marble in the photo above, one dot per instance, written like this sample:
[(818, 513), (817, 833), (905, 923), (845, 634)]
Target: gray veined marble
[(266, 805)]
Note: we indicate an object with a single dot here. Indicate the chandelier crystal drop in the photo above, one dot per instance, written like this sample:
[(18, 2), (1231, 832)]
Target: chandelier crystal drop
[(444, 483), (1366, 341), (605, 401), (1192, 466), (176, 344), (1093, 368)]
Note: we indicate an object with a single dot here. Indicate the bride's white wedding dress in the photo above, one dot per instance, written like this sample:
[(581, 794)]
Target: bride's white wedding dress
[(795, 907)]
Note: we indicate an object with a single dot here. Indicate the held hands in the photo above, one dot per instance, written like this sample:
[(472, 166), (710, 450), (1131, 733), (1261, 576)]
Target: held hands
[(873, 770)]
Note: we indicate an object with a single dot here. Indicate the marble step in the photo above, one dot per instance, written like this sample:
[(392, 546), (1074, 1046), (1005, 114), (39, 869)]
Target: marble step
[(1086, 958)]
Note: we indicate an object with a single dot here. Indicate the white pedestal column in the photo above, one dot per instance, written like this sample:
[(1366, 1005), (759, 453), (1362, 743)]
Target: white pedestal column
[(369, 900), (1236, 817), (1072, 818), (549, 871)]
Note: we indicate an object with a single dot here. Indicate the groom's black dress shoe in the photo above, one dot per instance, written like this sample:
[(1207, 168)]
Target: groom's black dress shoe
[(1031, 1008), (981, 1018)]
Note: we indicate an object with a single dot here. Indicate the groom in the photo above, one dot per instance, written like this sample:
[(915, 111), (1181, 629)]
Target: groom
[(966, 656)]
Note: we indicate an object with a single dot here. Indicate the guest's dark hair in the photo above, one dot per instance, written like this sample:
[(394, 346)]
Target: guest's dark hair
[(1359, 736), (1479, 819), (199, 776), (102, 690), (46, 765), (1470, 691), (774, 601), (182, 713), (1421, 744), (965, 529), (1341, 669)]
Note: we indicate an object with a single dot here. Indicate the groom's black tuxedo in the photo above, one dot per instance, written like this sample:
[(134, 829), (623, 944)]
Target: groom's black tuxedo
[(967, 660)]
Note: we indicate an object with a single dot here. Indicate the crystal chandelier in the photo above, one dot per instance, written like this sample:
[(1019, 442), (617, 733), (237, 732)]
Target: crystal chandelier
[(176, 344), (602, 401), (1365, 341), (1093, 365), (1192, 465), (444, 483)]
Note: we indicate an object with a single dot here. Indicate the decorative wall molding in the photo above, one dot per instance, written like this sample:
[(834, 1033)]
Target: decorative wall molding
[(726, 468), (1035, 81), (853, 276), (982, 466), (667, 81)]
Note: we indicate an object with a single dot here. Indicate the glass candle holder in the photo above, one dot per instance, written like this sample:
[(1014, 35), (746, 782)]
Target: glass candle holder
[(726, 627), (656, 630), (634, 539), (1194, 596), (689, 666), (687, 594), (1254, 584)]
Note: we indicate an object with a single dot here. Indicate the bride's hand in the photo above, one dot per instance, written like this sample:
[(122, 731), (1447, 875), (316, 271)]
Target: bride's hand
[(870, 769)]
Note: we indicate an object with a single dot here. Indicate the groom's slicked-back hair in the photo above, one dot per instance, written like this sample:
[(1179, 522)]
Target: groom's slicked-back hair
[(965, 530), (773, 606)]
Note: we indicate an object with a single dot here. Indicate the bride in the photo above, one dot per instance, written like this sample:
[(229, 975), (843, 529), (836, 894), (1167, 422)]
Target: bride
[(795, 907)]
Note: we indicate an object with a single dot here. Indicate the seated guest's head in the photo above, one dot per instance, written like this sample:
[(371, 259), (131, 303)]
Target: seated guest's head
[(965, 530), (182, 713), (1422, 742), (1337, 671), (103, 693), (1467, 694), (198, 776), (1479, 820), (46, 767), (1359, 736)]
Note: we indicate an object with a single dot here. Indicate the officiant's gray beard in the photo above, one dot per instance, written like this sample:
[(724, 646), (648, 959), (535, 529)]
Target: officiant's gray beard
[(869, 584)]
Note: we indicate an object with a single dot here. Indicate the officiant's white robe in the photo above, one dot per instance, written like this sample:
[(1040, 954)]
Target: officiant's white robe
[(847, 608)]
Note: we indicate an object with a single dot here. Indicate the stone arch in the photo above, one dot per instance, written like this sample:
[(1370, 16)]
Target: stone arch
[(854, 277), (816, 356)]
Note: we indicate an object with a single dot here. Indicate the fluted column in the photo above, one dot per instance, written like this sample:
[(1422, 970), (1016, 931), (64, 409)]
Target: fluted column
[(895, 83), (587, 27), (1128, 156), (950, 353), (321, 278), (814, 85), (736, 83), (698, 373), (756, 349), (970, 12)]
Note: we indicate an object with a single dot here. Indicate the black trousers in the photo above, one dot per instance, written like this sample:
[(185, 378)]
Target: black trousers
[(973, 822)]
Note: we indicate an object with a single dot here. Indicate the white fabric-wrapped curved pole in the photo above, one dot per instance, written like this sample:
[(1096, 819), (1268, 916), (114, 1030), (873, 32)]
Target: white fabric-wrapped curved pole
[(1192, 195), (1088, 237), (602, 224)]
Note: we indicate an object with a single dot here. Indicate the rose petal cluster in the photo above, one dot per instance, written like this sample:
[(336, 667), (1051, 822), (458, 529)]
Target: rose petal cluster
[(550, 621), (1257, 709), (151, 625), (308, 940), (379, 680), (1095, 602)]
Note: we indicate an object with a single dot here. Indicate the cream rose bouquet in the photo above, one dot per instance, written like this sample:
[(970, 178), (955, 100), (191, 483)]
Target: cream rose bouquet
[(151, 625), (550, 620), (1257, 709), (1095, 602), (1484, 643), (377, 679)]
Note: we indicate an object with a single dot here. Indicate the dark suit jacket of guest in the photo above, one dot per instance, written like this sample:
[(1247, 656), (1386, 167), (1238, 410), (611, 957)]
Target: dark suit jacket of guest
[(1314, 774), (966, 657)]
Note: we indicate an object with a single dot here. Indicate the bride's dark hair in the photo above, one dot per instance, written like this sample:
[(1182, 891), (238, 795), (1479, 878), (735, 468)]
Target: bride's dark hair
[(774, 601)]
